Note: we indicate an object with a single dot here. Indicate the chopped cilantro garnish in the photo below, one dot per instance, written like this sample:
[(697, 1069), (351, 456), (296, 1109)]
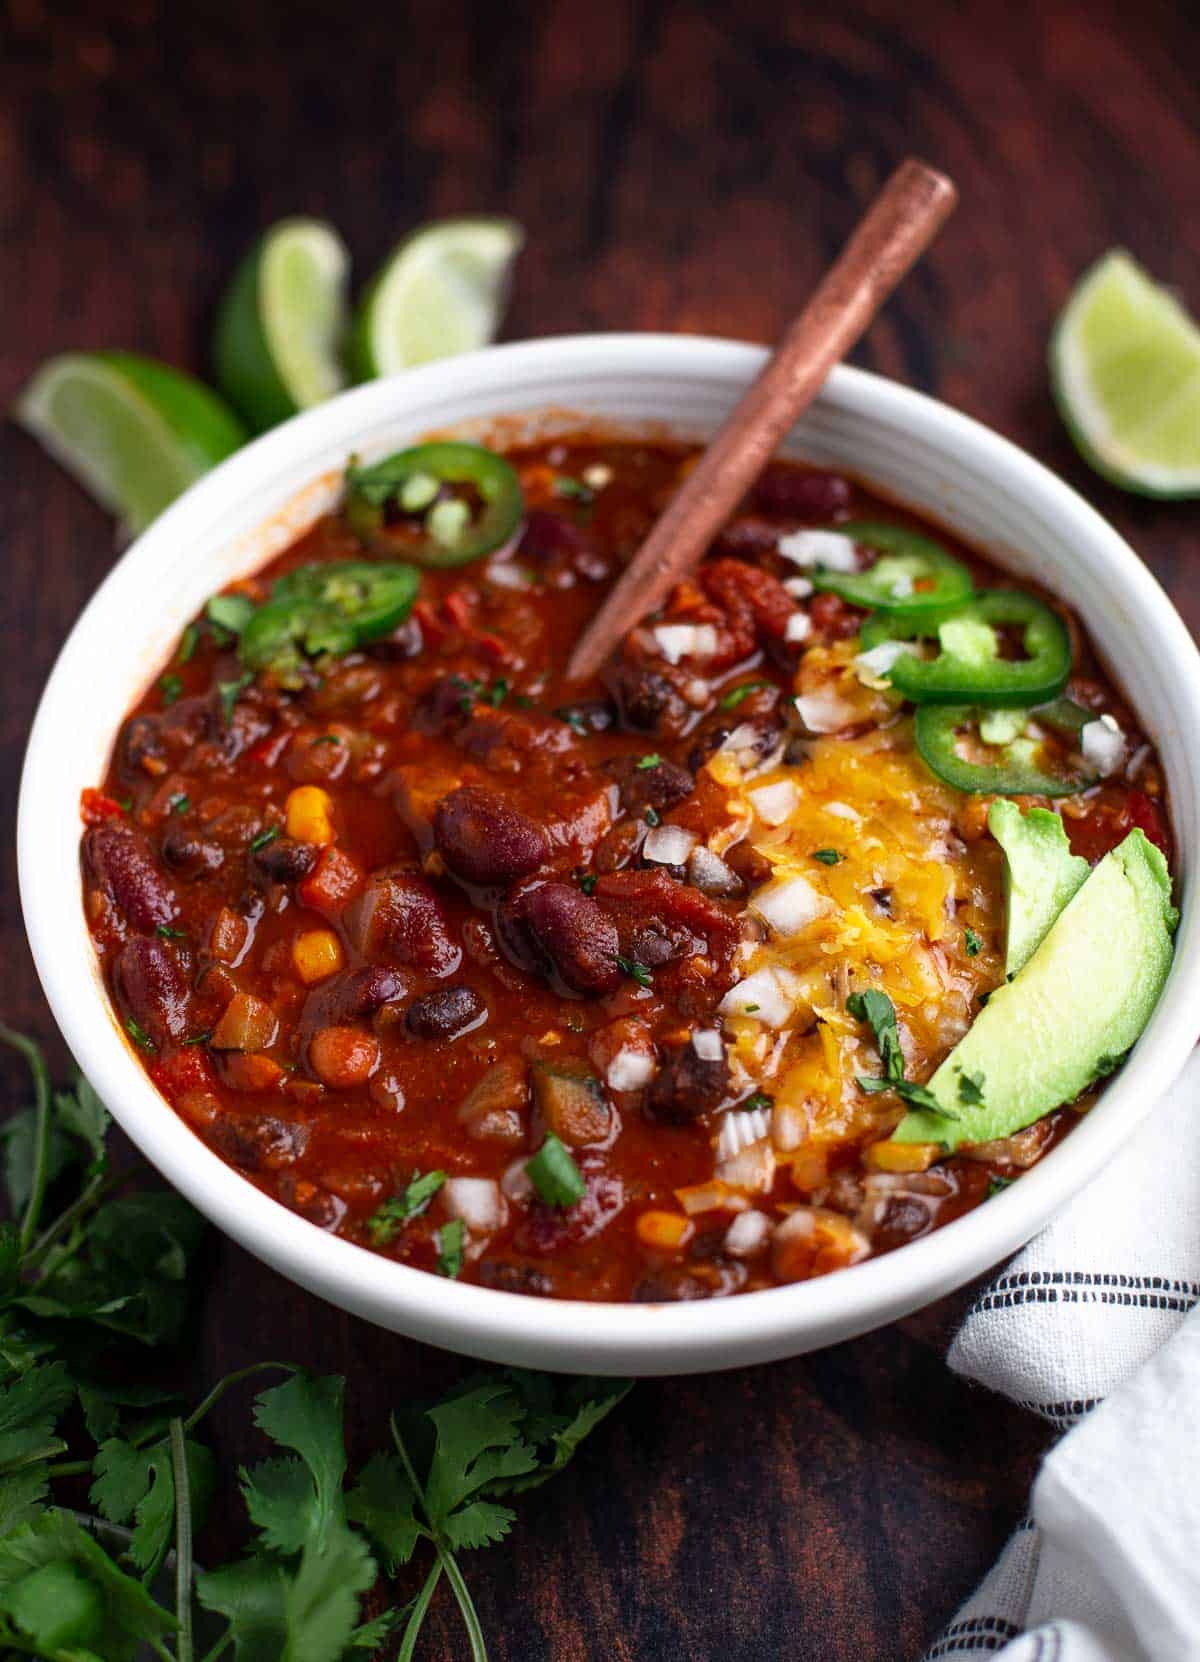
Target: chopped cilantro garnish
[(827, 856), (230, 612), (758, 1099), (751, 1009), (187, 643), (735, 696), (200, 1038), (170, 686), (230, 692), (498, 693), (588, 882), (916, 1096), (996, 1184), (573, 719), (653, 760), (878, 1011), (124, 803), (139, 1035), (394, 1213), (169, 934), (636, 971), (263, 838), (652, 817), (325, 738), (555, 1175), (970, 1089), (564, 485), (450, 1238), (973, 944), (523, 701), (180, 804)]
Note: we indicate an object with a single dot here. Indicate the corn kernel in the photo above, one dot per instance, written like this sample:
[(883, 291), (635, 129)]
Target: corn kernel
[(901, 1157), (316, 955), (309, 815), (664, 1231)]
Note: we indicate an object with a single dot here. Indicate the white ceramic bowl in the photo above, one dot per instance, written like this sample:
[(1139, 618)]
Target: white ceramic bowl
[(909, 447)]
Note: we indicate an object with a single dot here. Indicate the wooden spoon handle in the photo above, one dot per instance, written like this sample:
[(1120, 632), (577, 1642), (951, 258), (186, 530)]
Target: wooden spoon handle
[(897, 228)]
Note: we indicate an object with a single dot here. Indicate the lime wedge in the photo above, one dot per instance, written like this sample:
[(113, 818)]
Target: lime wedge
[(281, 324), (1125, 366), (441, 291), (133, 432)]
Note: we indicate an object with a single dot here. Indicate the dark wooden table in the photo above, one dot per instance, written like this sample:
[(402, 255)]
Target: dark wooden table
[(675, 171)]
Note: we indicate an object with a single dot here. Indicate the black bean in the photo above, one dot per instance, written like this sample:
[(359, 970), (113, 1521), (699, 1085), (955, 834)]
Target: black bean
[(687, 1086), (444, 1014), (284, 860)]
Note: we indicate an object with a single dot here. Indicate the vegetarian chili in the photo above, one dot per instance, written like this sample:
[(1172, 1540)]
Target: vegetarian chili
[(604, 992)]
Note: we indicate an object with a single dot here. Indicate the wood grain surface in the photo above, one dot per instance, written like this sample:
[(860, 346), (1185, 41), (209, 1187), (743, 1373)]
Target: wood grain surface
[(678, 166)]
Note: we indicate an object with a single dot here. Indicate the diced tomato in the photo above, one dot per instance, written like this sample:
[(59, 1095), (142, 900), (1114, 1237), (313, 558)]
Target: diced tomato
[(457, 608), (333, 881), (1146, 813), (95, 807)]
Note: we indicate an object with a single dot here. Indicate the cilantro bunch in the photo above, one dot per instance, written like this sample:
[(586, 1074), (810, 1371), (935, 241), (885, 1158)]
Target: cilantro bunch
[(86, 1303)]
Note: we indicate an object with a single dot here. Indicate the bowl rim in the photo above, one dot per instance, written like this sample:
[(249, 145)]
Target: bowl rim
[(581, 1336)]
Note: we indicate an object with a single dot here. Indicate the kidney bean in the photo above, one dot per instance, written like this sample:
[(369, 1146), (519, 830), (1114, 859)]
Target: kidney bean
[(352, 996), (784, 490), (646, 700), (619, 845), (546, 1229), (577, 936), (444, 705), (552, 540), (152, 986), (399, 919), (687, 1086), (484, 839), (284, 860), (662, 786), (445, 1014), (259, 1143), (749, 597), (120, 861), (834, 618)]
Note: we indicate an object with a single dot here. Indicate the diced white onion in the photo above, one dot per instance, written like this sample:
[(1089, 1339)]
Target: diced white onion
[(798, 587), (1137, 762), (630, 1070), (820, 548), (843, 810), (775, 803), (769, 995), (747, 1234), (787, 904), (710, 873), (739, 1128), (669, 845), (752, 1169), (789, 1126), (743, 743), (1103, 745), (799, 627), (597, 476), (508, 576), (516, 1182), (477, 1201), (708, 1044), (825, 712), (872, 666), (686, 640)]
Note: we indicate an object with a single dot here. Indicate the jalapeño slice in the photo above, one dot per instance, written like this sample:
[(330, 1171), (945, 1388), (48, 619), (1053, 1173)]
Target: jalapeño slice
[(326, 609), (442, 504), (968, 667), (913, 575), (1013, 771)]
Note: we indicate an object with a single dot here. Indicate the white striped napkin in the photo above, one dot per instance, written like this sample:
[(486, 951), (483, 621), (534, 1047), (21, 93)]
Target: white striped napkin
[(1107, 1568)]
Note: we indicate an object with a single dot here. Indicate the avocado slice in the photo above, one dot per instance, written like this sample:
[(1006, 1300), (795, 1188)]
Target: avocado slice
[(1040, 875), (1071, 1013)]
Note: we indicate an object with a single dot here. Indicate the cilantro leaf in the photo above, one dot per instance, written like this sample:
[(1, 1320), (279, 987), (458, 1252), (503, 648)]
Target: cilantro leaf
[(970, 1089), (732, 699), (230, 612), (554, 1174), (878, 1011), (305, 1414), (450, 1241), (973, 943), (137, 1485), (916, 1096), (122, 1618), (383, 1502), (829, 857), (390, 1218)]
